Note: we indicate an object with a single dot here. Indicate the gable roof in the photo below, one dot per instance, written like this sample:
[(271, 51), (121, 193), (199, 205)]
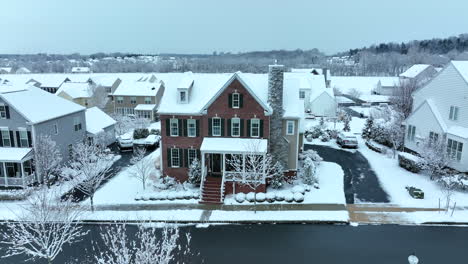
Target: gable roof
[(434, 111), (415, 70), (138, 88), (75, 90), (462, 68), (97, 120), (36, 110)]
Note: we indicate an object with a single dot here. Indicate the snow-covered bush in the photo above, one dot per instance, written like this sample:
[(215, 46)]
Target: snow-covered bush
[(409, 162), (240, 197), (165, 183), (171, 196), (156, 132), (261, 197), (347, 121), (140, 133), (299, 197), (332, 133), (250, 197), (279, 196), (270, 197), (367, 130), (316, 132), (325, 137), (307, 171), (277, 176), (195, 195), (180, 195), (188, 195), (312, 154), (458, 182), (194, 175), (289, 197), (298, 189)]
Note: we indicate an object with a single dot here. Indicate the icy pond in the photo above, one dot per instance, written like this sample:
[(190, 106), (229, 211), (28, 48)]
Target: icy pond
[(297, 243)]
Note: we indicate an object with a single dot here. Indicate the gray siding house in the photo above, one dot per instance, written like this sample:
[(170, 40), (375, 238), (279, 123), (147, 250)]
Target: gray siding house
[(23, 118)]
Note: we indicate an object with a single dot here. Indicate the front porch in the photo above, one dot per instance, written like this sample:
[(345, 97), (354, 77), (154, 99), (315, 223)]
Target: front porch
[(147, 111), (225, 166), (16, 167)]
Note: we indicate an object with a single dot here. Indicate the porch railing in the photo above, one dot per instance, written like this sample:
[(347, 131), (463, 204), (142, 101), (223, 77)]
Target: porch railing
[(243, 177), (17, 181), (203, 178)]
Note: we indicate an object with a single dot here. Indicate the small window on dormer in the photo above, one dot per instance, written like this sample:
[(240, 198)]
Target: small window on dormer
[(183, 96)]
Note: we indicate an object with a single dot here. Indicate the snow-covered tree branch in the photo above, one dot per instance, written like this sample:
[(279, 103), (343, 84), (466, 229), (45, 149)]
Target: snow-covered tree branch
[(47, 158), (143, 166)]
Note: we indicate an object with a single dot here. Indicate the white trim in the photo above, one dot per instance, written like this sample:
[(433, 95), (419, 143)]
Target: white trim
[(238, 100), (194, 122), (251, 127), (232, 126), (212, 126), (287, 127), (170, 127), (172, 157)]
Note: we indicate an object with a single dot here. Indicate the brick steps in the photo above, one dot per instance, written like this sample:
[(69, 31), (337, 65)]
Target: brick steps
[(211, 193)]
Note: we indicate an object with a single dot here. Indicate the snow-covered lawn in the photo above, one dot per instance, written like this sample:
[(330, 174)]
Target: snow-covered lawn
[(356, 125), (296, 216), (330, 178)]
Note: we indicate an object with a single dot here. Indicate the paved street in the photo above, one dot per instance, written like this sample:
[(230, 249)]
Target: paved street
[(360, 181)]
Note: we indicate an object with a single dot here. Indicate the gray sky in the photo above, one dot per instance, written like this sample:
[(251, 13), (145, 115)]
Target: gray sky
[(202, 26)]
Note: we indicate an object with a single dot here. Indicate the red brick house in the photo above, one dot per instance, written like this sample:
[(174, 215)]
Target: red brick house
[(212, 116)]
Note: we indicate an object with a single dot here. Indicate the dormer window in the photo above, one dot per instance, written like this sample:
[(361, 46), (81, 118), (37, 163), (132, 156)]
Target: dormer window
[(183, 96), (301, 94), (235, 100)]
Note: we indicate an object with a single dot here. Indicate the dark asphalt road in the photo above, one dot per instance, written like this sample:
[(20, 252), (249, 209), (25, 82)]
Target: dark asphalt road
[(360, 181), (321, 244)]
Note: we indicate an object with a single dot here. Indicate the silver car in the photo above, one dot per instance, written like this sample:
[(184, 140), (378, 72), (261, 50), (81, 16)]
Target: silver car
[(125, 143), (347, 140)]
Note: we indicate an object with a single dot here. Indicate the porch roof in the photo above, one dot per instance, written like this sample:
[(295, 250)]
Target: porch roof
[(14, 154), (234, 145), (145, 107)]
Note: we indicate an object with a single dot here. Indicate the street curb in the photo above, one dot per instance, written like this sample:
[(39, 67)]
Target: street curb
[(216, 222)]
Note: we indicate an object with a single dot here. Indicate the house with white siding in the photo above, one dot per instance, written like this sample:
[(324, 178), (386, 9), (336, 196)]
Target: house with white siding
[(419, 73), (440, 111)]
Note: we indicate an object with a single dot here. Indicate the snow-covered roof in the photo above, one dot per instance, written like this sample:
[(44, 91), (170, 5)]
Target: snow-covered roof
[(458, 131), (75, 89), (97, 120), (138, 88), (389, 82), (23, 70), (49, 80), (106, 81), (415, 70), (462, 68), (363, 84), (8, 87), (80, 70), (234, 145), (38, 106), (318, 71), (5, 69), (186, 81), (13, 154), (145, 107)]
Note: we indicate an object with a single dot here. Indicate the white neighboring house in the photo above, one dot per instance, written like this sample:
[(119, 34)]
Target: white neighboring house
[(5, 70), (80, 70), (98, 122), (386, 86), (420, 73), (23, 70), (440, 111)]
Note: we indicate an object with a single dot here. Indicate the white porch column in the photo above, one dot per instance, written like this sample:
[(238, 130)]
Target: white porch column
[(263, 167), (223, 165), (5, 173), (243, 167), (22, 173), (203, 165)]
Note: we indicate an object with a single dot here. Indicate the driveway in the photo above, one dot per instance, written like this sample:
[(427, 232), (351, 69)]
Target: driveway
[(120, 164), (360, 182)]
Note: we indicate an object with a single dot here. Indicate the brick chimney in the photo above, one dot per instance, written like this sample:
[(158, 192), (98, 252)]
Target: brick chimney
[(279, 147)]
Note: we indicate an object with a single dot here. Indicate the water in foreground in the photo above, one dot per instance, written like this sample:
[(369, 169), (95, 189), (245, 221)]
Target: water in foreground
[(303, 244)]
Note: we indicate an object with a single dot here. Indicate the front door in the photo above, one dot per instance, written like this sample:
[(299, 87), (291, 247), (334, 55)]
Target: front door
[(215, 165)]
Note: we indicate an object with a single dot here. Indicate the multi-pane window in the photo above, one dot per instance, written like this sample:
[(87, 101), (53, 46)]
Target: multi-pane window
[(235, 127), (108, 90), (453, 113), (454, 149), (3, 112), (125, 110), (290, 127), (192, 155), (77, 123), (23, 138), (120, 99), (133, 100), (216, 126), (192, 127), (255, 127), (175, 159), (235, 100), (182, 96), (174, 124), (433, 137), (27, 168), (144, 114), (301, 94), (411, 133), (6, 138), (147, 100)]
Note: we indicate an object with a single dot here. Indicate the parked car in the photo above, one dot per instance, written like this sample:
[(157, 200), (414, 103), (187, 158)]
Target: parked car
[(125, 143), (346, 140), (151, 141), (415, 192)]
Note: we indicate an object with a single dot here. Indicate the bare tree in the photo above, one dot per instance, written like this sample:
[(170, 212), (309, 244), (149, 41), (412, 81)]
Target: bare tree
[(47, 158), (98, 97), (355, 93), (396, 131), (402, 98), (148, 247), (252, 167), (44, 227), (124, 124), (142, 167), (434, 157), (92, 166)]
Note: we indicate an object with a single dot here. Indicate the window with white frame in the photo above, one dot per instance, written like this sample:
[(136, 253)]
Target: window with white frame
[(182, 96), (3, 112), (235, 127), (147, 100), (290, 127), (175, 159), (255, 127), (191, 127), (77, 123), (55, 129), (301, 94), (120, 99), (235, 100), (411, 133), (454, 149), (174, 125), (433, 137), (192, 155), (133, 100), (23, 138), (453, 113), (6, 137), (216, 126)]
